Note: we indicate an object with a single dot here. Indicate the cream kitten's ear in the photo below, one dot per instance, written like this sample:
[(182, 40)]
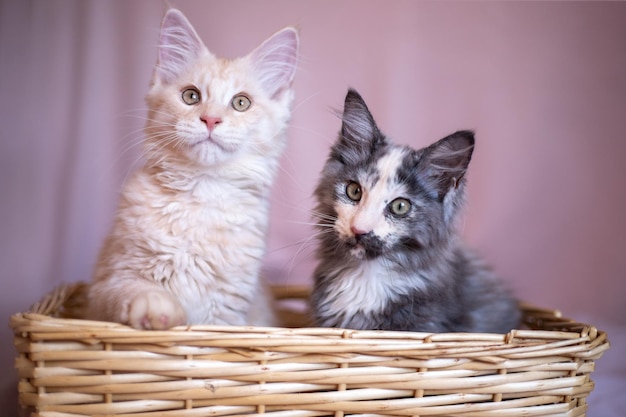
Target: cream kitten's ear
[(179, 44), (275, 61)]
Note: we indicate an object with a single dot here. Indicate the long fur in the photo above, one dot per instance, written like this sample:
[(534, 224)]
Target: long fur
[(382, 270), (189, 236)]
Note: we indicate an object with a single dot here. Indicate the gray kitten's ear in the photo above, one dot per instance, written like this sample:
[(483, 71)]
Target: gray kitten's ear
[(444, 163), (357, 122), (179, 44), (276, 59), (359, 137)]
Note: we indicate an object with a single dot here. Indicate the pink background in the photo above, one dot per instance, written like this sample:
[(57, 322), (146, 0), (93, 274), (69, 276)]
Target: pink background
[(542, 83)]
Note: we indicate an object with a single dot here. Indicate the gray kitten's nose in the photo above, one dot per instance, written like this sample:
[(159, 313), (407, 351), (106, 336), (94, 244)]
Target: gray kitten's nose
[(358, 233)]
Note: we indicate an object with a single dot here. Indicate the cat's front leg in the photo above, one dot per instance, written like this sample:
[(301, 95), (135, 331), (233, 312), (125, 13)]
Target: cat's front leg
[(136, 302), (154, 310)]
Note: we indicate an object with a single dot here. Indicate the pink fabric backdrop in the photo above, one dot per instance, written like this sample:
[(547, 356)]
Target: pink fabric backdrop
[(543, 85)]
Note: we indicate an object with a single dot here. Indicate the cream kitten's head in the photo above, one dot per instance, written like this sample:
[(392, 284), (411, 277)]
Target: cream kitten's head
[(207, 110)]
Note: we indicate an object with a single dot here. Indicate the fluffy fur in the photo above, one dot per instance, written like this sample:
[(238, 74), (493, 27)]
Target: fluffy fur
[(189, 235), (390, 257)]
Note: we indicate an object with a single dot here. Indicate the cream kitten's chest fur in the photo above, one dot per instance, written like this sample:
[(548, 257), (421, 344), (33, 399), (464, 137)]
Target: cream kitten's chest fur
[(204, 244)]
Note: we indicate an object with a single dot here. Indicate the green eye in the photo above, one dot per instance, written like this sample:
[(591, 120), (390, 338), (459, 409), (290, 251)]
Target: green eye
[(241, 102), (400, 206), (353, 191), (191, 96)]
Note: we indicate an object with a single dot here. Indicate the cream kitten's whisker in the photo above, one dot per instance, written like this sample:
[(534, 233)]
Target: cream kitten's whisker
[(140, 113), (317, 133), (132, 139), (152, 138), (157, 142), (304, 101)]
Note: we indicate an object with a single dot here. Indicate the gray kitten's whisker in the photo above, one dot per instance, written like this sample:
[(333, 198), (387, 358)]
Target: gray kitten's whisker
[(321, 215), (301, 247), (326, 219), (308, 223)]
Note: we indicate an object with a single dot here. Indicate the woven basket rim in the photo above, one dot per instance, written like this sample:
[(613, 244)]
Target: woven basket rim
[(107, 368), (546, 326)]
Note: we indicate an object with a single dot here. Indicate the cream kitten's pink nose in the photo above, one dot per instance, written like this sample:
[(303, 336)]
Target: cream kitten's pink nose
[(211, 122)]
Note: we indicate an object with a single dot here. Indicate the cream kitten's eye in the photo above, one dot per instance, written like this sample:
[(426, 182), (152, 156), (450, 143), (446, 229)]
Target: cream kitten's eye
[(191, 96), (241, 102), (400, 206), (353, 191)]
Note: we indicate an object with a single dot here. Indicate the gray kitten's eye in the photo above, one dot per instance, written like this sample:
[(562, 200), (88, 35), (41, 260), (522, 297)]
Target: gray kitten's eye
[(241, 102), (400, 206), (353, 191), (191, 96)]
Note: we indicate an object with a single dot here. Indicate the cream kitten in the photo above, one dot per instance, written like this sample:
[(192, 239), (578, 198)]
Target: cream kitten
[(189, 235)]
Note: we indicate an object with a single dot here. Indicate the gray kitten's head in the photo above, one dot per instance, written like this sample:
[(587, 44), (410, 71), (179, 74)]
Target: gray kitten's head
[(376, 198)]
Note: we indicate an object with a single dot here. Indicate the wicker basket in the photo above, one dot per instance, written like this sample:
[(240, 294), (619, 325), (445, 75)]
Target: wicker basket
[(71, 368)]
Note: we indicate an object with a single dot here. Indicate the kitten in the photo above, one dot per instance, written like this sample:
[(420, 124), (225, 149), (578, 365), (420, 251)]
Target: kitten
[(189, 235), (389, 255)]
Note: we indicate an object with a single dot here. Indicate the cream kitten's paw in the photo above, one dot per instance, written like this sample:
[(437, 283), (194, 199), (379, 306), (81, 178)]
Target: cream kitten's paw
[(155, 310)]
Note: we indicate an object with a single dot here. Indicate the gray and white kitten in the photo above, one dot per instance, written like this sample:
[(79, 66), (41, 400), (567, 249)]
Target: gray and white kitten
[(390, 257)]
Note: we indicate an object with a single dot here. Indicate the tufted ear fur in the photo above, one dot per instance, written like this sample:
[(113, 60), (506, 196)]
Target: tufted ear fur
[(359, 136), (275, 61), (443, 164), (357, 122), (179, 44)]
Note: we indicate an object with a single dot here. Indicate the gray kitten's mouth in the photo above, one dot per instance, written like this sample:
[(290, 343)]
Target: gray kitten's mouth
[(358, 252), (365, 246)]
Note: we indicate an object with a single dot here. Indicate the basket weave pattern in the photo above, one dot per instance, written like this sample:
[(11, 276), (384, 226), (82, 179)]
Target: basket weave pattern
[(71, 368)]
